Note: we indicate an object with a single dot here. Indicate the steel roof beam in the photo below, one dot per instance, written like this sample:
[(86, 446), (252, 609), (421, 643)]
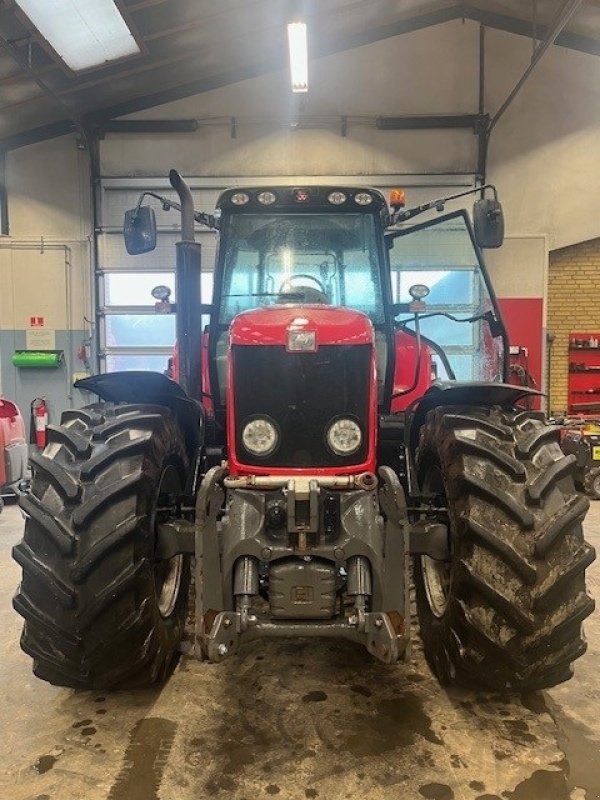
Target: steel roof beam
[(565, 14)]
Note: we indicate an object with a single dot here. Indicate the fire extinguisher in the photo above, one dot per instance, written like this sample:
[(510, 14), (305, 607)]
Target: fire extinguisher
[(39, 421)]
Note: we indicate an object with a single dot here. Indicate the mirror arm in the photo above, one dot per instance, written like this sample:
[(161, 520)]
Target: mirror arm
[(405, 214), (200, 216)]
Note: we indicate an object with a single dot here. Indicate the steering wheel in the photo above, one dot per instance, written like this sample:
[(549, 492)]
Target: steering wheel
[(312, 294)]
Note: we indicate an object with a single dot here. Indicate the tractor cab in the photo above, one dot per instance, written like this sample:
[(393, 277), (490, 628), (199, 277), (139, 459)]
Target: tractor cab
[(318, 249), (334, 247)]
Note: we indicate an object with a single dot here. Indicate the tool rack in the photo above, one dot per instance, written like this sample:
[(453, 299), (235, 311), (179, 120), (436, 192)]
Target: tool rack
[(584, 374)]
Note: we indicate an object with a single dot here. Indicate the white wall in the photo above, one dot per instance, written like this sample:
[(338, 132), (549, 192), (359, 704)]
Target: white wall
[(394, 76), (545, 151), (48, 190), (544, 154), (48, 201), (45, 264)]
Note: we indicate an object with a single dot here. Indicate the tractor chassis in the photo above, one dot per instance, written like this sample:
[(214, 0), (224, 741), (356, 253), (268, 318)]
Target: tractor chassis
[(230, 538)]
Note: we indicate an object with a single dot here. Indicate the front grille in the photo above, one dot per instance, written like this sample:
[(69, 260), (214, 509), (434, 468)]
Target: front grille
[(303, 393)]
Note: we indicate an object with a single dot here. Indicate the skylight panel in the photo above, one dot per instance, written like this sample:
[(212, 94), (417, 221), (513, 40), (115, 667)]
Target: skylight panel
[(84, 33)]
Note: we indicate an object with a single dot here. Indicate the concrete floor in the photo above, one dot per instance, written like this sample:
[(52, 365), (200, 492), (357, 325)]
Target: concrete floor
[(294, 720)]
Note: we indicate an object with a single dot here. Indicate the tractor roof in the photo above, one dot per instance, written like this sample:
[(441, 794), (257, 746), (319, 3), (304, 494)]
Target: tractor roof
[(302, 199)]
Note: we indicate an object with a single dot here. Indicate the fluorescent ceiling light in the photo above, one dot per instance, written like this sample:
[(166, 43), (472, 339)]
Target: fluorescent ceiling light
[(84, 33), (298, 56)]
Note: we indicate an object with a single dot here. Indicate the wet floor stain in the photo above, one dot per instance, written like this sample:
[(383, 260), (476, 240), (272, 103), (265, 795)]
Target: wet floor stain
[(362, 690), (82, 723), (436, 791), (145, 760), (518, 731), (397, 723), (542, 785), (477, 786), (44, 764), (314, 697), (90, 731), (581, 752)]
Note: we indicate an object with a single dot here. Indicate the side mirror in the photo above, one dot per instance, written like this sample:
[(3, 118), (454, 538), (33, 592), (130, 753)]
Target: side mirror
[(139, 230), (488, 222)]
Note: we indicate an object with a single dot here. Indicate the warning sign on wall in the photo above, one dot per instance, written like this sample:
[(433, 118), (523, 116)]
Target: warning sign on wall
[(40, 339), (36, 322)]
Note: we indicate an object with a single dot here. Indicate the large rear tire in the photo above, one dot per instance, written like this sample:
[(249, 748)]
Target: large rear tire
[(505, 612), (100, 612)]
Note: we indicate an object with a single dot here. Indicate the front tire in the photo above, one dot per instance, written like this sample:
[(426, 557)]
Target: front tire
[(100, 612), (505, 611)]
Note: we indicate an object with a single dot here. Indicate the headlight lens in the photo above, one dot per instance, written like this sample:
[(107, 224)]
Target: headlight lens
[(260, 436), (240, 198), (418, 291), (337, 198), (266, 198), (344, 437), (363, 198)]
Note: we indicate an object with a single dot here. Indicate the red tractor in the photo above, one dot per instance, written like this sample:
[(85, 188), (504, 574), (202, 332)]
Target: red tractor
[(343, 413)]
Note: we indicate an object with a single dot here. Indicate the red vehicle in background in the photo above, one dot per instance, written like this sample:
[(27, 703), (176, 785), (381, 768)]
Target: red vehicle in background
[(13, 449)]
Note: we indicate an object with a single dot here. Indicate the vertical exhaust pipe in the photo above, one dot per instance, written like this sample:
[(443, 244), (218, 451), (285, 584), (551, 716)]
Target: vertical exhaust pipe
[(188, 293)]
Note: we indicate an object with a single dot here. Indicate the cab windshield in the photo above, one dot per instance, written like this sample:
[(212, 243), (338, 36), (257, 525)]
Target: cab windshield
[(460, 315), (300, 258)]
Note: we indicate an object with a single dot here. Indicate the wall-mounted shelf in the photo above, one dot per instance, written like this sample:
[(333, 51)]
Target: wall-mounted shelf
[(584, 374)]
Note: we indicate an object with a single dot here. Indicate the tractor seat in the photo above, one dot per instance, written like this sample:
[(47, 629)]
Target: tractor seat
[(306, 295)]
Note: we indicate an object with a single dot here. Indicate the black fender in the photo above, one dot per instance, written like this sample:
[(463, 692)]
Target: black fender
[(152, 388), (457, 393)]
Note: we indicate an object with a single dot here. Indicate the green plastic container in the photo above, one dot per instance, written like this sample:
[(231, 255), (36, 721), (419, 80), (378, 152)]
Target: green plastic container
[(42, 358)]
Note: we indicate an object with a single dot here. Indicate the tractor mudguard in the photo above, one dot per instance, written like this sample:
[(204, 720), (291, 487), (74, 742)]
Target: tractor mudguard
[(458, 393), (150, 388)]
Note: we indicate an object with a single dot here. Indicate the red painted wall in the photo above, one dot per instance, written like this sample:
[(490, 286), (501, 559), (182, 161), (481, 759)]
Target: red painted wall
[(524, 319)]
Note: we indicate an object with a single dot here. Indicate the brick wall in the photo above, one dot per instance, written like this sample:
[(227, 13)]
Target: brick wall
[(573, 305)]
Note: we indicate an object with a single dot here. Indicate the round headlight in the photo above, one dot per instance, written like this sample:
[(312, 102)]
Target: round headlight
[(260, 436), (161, 293), (240, 198), (266, 198), (337, 198), (418, 291), (363, 198), (344, 437)]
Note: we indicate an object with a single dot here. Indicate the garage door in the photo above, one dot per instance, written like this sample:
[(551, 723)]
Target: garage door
[(130, 336)]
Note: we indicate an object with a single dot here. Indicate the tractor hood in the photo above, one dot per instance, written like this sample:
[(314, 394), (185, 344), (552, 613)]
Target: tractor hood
[(273, 325)]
